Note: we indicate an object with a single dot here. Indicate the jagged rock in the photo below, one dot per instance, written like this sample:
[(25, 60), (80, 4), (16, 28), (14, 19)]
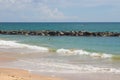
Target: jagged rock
[(52, 33), (61, 33)]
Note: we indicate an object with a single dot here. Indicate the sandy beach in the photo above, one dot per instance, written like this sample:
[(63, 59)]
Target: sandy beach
[(7, 73), (18, 74)]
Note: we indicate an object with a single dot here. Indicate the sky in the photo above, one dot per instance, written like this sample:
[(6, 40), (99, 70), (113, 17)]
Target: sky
[(59, 10)]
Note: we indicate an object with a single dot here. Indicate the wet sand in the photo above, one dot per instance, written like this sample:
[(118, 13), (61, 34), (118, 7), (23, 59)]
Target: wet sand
[(6, 59), (18, 74), (92, 76)]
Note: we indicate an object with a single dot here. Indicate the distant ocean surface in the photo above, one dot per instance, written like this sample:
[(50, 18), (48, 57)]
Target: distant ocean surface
[(63, 26), (63, 54)]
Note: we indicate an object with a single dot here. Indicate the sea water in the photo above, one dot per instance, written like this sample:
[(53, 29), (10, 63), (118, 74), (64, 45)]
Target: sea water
[(63, 54)]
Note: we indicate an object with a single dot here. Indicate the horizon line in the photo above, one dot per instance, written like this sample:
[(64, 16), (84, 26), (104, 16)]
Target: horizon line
[(60, 22)]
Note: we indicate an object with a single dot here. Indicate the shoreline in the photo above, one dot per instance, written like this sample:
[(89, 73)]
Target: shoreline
[(19, 74), (7, 73)]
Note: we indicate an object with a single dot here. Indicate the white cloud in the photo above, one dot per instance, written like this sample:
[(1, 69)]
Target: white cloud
[(31, 10)]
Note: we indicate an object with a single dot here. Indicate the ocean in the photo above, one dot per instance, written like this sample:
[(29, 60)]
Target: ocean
[(62, 54)]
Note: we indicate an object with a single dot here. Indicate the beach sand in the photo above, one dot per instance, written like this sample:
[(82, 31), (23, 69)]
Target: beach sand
[(18, 74), (6, 59)]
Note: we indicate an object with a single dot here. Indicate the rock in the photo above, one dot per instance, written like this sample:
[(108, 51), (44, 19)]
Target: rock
[(80, 33), (52, 33), (87, 34), (62, 33)]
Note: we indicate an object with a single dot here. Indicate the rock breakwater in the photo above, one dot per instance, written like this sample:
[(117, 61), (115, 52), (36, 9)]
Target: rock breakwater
[(61, 33)]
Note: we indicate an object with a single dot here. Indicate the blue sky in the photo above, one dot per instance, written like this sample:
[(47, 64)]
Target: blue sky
[(59, 10)]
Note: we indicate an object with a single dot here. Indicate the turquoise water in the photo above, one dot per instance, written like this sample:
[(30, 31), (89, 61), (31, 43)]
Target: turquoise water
[(113, 27), (97, 44), (109, 45), (62, 54)]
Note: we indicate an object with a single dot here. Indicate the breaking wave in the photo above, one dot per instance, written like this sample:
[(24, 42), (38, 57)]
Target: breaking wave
[(54, 66), (82, 52), (15, 45), (66, 52)]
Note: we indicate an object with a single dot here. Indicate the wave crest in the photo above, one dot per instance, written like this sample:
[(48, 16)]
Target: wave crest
[(69, 52), (65, 52), (14, 45)]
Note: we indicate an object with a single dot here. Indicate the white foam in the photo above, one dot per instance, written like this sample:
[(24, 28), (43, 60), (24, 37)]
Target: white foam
[(69, 52), (52, 66), (14, 44), (66, 52)]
